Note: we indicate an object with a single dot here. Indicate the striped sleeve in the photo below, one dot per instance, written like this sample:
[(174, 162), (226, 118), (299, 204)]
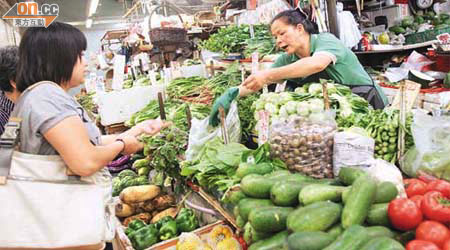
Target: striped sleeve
[(6, 107)]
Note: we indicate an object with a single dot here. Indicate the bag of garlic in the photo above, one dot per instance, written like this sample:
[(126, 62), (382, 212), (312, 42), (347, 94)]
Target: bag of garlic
[(305, 144)]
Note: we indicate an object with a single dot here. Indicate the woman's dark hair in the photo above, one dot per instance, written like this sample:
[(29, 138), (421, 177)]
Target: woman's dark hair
[(8, 64), (295, 17), (49, 54)]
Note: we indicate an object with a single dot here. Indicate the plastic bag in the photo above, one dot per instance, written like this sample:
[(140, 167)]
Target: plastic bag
[(431, 153), (352, 149), (305, 144), (416, 61), (201, 132), (382, 171)]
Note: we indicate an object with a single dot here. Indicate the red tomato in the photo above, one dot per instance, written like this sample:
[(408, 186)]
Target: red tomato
[(417, 199), (421, 245), (446, 245), (404, 214), (436, 207), (432, 231), (441, 186), (414, 187), (425, 177)]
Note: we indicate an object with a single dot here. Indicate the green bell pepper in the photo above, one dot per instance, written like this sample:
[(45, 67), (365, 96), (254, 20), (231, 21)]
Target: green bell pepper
[(163, 221), (136, 224), (144, 237), (186, 220), (168, 230)]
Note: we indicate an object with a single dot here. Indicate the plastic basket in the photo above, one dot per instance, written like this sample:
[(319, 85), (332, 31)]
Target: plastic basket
[(425, 36)]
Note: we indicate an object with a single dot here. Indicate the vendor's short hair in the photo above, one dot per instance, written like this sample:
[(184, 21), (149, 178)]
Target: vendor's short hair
[(49, 54), (8, 64)]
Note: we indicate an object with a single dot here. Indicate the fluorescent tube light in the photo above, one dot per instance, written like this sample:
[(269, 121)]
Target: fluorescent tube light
[(88, 23), (93, 7)]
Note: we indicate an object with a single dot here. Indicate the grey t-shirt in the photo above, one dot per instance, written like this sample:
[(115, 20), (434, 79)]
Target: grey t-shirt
[(41, 108)]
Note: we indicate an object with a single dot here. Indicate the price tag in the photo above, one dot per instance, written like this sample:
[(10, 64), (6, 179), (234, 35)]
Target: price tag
[(255, 62), (119, 66), (152, 76), (412, 90), (263, 126), (100, 84), (280, 87)]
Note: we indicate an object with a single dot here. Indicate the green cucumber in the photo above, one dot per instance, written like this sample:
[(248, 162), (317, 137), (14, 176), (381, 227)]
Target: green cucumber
[(335, 231), (269, 219), (353, 238), (318, 216), (386, 191), (383, 243), (248, 204), (378, 215), (257, 186), (236, 211), (278, 173), (320, 192), (345, 194), (251, 235), (309, 240), (234, 195), (245, 169), (240, 222), (348, 175), (285, 193), (380, 231), (359, 201), (277, 241)]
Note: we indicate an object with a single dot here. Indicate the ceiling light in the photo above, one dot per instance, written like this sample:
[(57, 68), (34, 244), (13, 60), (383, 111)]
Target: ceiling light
[(88, 23), (93, 7)]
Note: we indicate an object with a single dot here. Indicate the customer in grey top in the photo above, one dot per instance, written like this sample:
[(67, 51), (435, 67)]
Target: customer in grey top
[(53, 122)]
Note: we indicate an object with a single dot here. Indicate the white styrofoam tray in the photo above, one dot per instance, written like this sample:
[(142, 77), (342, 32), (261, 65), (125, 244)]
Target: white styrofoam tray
[(118, 106)]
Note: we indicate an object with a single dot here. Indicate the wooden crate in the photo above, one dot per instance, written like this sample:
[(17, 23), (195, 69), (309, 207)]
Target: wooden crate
[(121, 241), (115, 128)]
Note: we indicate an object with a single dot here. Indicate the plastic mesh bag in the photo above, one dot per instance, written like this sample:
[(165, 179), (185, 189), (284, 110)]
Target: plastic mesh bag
[(431, 153), (201, 132), (305, 144)]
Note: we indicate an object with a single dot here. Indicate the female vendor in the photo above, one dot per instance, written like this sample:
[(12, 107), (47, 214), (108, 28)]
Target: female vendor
[(306, 54)]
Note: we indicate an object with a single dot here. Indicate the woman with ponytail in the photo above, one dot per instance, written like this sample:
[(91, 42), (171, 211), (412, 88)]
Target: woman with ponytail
[(307, 54)]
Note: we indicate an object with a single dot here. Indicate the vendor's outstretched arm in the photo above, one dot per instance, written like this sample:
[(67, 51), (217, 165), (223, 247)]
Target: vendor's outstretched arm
[(301, 68)]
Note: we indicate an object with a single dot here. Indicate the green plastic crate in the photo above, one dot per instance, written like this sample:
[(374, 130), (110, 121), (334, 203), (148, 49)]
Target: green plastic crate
[(425, 36)]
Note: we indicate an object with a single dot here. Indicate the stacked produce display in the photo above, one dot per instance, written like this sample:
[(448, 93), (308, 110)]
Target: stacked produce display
[(284, 194)]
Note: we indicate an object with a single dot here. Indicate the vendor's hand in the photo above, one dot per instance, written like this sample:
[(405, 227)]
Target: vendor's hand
[(256, 81), (132, 144), (149, 127), (224, 101)]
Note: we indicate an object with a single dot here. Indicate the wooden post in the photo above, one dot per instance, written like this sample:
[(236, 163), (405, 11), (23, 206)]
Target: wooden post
[(189, 117), (162, 112), (402, 122), (332, 17), (223, 124), (326, 100)]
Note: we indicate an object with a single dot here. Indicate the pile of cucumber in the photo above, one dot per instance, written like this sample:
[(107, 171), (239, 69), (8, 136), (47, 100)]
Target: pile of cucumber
[(282, 210)]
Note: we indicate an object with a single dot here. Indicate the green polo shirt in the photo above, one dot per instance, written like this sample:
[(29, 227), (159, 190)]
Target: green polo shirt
[(345, 68)]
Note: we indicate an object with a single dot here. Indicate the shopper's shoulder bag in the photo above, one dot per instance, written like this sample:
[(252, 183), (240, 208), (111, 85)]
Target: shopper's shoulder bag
[(42, 204)]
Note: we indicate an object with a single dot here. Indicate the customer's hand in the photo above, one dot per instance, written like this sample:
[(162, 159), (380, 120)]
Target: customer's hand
[(132, 144)]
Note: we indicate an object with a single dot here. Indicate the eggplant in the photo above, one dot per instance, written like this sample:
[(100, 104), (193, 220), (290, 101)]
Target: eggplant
[(119, 168), (119, 164)]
